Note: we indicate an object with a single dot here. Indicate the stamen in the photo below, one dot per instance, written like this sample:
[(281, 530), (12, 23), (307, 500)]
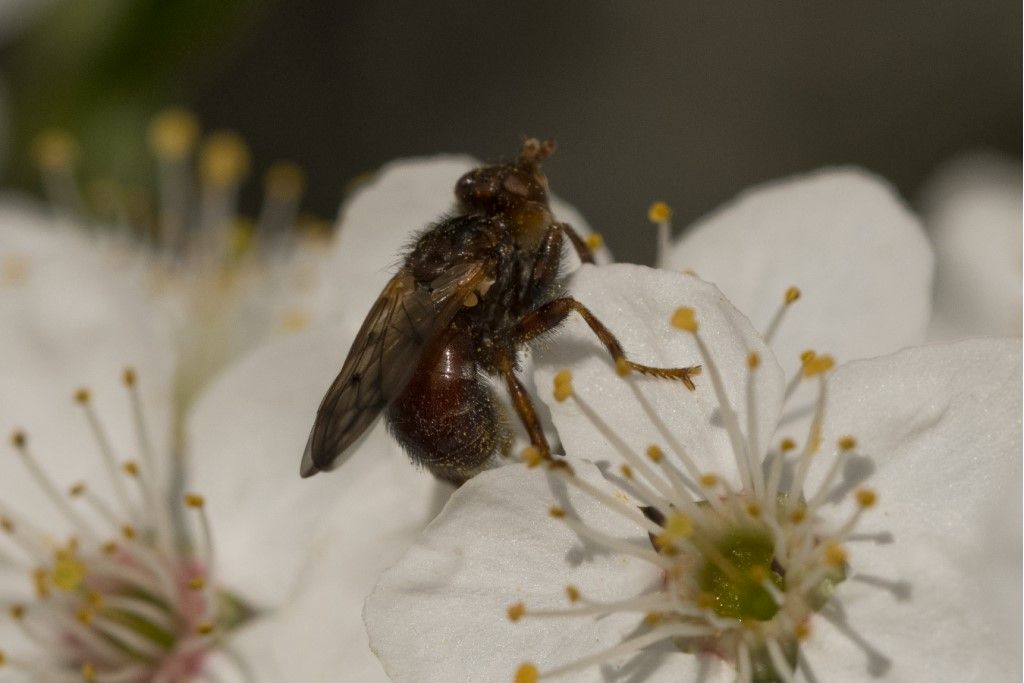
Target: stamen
[(148, 479), (594, 241), (83, 398), (56, 153), (283, 186), (685, 319), (813, 441), (660, 214), (563, 385), (791, 297), (20, 442), (779, 663), (753, 450), (629, 646)]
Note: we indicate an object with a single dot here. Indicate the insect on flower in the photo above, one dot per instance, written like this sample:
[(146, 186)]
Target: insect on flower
[(475, 288)]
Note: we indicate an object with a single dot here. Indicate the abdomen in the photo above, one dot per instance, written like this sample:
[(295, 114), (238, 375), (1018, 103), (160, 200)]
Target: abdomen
[(446, 418)]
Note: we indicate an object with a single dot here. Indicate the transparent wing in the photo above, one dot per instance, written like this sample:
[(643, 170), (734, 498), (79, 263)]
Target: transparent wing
[(382, 359)]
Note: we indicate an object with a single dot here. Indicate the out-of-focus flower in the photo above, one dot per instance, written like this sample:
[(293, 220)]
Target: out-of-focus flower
[(224, 281), (972, 210), (714, 544)]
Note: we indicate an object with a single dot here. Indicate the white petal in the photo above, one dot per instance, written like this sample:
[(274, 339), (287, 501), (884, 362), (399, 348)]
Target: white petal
[(246, 436), (319, 633), (440, 613), (943, 427), (73, 316), (972, 209), (844, 238), (636, 304)]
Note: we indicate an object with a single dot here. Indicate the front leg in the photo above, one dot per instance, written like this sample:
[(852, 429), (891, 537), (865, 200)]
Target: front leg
[(548, 257), (548, 316)]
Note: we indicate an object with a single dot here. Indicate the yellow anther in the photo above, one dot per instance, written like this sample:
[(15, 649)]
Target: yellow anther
[(18, 439), (758, 573), (798, 516), (88, 672), (622, 367), (655, 453), (807, 355), (573, 593), (17, 611), (685, 319), (691, 272), (754, 510), (13, 269), (241, 236), (130, 467), (556, 512), (531, 456), (802, 631), (705, 600), (835, 555), (224, 159), (594, 241), (194, 500), (128, 377), (753, 360), (653, 618), (197, 583), (847, 443), (3, 658), (84, 615), (516, 611), (173, 133), (659, 212), (6, 524), (709, 480), (526, 673), (95, 599), (471, 300), (204, 629), (563, 385), (295, 320), (128, 531), (787, 445), (626, 470), (678, 527), (284, 180), (817, 365), (792, 294), (110, 547), (41, 582), (82, 395), (866, 498), (76, 489), (55, 150)]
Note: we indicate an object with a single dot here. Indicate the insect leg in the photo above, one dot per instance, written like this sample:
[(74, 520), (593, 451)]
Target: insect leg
[(582, 250), (523, 405), (550, 315)]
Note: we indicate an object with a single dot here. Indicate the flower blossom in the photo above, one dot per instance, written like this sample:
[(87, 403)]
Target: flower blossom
[(709, 543)]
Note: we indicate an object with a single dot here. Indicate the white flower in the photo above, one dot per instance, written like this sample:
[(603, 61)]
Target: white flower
[(764, 557), (224, 282), (972, 208), (843, 237), (301, 555)]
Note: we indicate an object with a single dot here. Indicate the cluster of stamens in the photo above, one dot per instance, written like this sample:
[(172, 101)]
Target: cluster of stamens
[(742, 569), (129, 596), (225, 274)]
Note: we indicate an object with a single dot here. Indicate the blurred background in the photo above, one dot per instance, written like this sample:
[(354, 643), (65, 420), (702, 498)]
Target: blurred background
[(686, 102)]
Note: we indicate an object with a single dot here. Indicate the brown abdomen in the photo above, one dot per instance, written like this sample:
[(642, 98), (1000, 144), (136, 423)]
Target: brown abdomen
[(447, 418)]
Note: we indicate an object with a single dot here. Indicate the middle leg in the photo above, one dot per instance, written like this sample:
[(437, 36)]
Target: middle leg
[(550, 315)]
